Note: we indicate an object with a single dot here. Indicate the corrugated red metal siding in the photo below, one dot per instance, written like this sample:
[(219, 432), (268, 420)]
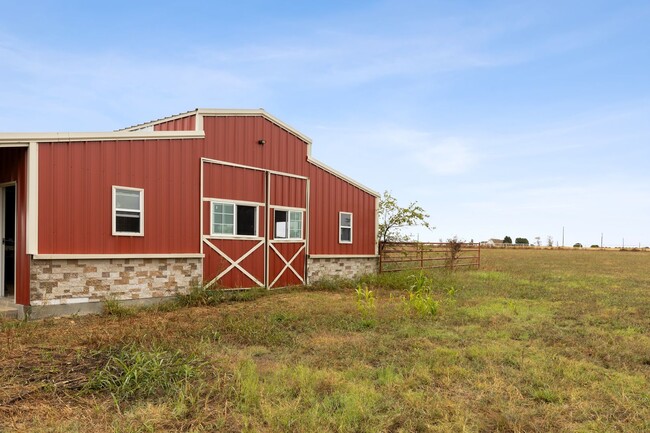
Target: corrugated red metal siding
[(330, 195), (75, 195), (288, 191), (187, 123), (13, 168), (233, 183), (235, 139)]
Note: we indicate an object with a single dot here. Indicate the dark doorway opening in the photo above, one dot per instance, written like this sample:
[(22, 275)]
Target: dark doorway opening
[(9, 239)]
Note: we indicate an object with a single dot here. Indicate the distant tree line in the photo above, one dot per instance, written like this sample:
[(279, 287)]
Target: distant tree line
[(518, 241)]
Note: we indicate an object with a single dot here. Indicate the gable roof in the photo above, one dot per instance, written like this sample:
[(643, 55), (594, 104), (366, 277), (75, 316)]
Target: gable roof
[(222, 112), (239, 112)]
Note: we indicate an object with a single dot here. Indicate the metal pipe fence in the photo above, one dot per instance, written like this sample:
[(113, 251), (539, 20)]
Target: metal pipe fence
[(402, 256)]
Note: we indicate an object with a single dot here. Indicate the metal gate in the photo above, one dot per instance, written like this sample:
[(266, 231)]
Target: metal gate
[(254, 226)]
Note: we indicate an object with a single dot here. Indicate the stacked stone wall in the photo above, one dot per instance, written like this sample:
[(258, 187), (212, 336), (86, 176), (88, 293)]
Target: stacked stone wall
[(57, 282), (342, 267)]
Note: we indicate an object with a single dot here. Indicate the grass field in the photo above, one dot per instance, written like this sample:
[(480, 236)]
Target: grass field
[(535, 341)]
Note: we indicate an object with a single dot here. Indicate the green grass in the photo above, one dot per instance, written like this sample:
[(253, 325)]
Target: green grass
[(534, 341)]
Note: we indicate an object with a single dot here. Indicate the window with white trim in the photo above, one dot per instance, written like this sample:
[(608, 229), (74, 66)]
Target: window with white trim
[(128, 211), (288, 224), (345, 227), (232, 219)]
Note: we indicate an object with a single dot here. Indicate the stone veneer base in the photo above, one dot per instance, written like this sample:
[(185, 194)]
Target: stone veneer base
[(342, 267), (70, 282)]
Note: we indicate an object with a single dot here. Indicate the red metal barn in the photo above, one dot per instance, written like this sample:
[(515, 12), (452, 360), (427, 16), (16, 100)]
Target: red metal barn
[(229, 197)]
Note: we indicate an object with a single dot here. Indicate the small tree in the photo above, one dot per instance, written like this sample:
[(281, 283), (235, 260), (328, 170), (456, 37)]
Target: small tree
[(454, 247), (521, 241), (393, 217), (549, 241), (507, 240)]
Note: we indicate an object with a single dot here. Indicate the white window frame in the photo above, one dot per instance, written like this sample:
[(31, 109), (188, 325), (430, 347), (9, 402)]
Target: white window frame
[(341, 241), (235, 203), (115, 210), (288, 211)]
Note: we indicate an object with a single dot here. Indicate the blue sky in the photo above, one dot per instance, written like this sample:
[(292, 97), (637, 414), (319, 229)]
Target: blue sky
[(500, 118)]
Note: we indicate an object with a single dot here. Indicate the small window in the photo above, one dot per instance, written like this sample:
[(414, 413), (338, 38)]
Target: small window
[(223, 219), (345, 227), (128, 213), (232, 219), (288, 224)]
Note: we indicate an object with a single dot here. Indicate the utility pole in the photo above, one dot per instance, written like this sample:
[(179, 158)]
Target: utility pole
[(562, 236), (601, 240), (623, 243)]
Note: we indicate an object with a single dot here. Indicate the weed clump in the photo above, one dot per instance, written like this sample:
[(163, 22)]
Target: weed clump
[(132, 373), (420, 297), (366, 304), (112, 307), (200, 296)]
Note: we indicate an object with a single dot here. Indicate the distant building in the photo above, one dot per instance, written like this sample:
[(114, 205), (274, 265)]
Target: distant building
[(493, 242)]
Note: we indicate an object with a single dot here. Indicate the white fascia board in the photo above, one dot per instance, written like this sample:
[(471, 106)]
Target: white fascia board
[(341, 176), (10, 144), (19, 138)]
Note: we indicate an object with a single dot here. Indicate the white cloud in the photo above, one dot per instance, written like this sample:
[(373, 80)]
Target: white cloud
[(451, 156)]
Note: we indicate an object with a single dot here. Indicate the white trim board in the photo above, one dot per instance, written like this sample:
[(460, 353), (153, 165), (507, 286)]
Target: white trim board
[(342, 256), (116, 256), (22, 139)]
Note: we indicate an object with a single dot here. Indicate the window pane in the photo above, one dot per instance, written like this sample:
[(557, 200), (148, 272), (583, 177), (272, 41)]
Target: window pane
[(127, 199), (346, 234), (280, 224), (222, 218), (127, 222), (346, 220), (246, 220), (295, 230)]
